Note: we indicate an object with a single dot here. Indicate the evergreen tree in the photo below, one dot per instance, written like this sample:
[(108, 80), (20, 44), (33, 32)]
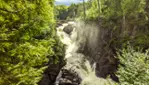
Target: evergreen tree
[(27, 40), (135, 67)]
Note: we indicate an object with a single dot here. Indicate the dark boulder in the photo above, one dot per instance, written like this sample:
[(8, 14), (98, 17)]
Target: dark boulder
[(68, 29)]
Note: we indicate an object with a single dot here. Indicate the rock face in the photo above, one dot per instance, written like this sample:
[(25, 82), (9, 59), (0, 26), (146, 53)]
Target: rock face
[(68, 29), (95, 42), (50, 74)]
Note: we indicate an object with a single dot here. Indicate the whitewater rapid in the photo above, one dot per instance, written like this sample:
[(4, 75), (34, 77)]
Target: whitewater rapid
[(77, 61)]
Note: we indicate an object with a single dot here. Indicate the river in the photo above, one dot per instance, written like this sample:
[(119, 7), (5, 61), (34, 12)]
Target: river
[(77, 63)]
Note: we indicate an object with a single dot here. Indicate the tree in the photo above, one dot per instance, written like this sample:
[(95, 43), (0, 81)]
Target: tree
[(27, 40), (61, 12), (135, 67), (84, 9)]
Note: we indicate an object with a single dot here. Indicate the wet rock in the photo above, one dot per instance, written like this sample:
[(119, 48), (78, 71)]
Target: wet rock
[(68, 29), (68, 78), (95, 42), (50, 74)]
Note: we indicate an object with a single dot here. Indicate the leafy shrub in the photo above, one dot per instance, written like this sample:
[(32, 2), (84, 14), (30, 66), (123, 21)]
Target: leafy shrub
[(136, 67)]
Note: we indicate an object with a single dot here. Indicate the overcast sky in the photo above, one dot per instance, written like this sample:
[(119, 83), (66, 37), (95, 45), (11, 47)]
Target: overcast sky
[(67, 2)]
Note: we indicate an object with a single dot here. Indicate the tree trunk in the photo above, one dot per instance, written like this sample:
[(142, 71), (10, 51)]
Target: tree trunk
[(84, 9), (98, 6)]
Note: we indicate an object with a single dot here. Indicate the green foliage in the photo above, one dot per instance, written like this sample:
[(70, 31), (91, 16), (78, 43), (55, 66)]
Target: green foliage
[(27, 40), (61, 12), (92, 12), (111, 8), (136, 69), (126, 18), (70, 12), (67, 12)]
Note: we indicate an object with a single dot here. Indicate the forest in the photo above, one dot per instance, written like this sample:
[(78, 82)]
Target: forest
[(32, 53)]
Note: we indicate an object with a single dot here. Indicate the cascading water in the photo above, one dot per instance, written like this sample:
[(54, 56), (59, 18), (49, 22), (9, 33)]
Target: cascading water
[(78, 62)]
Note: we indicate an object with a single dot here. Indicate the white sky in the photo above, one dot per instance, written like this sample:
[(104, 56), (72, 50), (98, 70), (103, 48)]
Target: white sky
[(69, 0)]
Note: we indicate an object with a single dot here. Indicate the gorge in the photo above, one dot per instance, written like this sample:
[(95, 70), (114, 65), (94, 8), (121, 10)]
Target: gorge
[(84, 63)]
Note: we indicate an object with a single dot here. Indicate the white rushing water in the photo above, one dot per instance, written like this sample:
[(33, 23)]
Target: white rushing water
[(77, 61)]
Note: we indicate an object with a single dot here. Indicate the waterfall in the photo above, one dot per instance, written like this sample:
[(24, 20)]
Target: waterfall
[(77, 62)]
